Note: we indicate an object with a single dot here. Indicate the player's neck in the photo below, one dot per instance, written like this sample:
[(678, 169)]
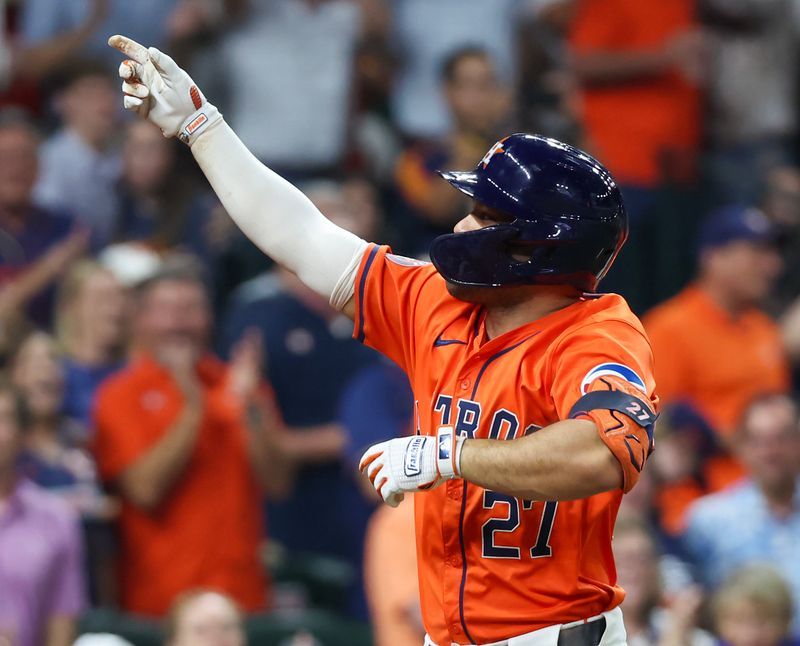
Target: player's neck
[(502, 318)]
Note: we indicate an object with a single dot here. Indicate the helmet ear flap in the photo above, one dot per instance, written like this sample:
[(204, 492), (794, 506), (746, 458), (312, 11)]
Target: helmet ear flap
[(474, 258)]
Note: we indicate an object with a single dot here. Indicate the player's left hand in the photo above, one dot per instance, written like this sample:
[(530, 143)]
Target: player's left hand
[(415, 463), (155, 88)]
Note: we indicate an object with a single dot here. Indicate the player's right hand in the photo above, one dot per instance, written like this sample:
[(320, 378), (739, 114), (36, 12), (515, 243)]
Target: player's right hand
[(410, 464), (155, 88)]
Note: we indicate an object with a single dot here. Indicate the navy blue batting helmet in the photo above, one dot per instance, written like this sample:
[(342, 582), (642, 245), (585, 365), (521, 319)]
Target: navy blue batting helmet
[(567, 220)]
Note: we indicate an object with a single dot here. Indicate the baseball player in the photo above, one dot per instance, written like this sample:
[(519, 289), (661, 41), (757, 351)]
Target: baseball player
[(534, 396)]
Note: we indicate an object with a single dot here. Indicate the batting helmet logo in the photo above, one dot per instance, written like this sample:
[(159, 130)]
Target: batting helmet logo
[(497, 149)]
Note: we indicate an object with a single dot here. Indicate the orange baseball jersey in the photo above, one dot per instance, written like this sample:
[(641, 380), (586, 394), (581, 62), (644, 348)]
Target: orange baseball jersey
[(492, 566), (723, 363)]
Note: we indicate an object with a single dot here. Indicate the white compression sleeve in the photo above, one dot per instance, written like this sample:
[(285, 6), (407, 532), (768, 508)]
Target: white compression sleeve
[(278, 218)]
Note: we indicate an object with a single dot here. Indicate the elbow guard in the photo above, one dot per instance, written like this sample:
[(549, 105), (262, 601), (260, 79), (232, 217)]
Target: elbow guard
[(625, 419)]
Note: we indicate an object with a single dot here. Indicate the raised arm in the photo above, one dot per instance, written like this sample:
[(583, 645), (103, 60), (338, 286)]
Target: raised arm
[(275, 215)]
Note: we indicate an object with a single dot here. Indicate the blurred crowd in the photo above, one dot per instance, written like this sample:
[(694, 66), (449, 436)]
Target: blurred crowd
[(180, 420)]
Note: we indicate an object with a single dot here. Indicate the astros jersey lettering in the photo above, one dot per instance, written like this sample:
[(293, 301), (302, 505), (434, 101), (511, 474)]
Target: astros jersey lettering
[(492, 566)]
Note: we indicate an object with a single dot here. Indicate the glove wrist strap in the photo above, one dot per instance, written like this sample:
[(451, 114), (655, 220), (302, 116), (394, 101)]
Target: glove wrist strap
[(197, 122), (448, 452)]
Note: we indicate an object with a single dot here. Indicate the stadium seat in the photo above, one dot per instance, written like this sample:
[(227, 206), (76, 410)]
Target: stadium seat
[(326, 627), (324, 580), (139, 632), (262, 630)]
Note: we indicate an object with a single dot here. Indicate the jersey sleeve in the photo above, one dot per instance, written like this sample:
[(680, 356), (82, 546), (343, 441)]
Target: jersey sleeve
[(615, 359), (391, 293)]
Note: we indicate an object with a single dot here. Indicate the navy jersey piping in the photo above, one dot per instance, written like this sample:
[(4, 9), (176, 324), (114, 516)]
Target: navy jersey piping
[(463, 563), (464, 492), (439, 342), (361, 284), (497, 356), (477, 326)]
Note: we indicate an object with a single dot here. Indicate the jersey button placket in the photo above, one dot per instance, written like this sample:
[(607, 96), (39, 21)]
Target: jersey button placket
[(453, 563)]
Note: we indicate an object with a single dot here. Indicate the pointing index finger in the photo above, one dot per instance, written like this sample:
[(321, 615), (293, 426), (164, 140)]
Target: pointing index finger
[(130, 48)]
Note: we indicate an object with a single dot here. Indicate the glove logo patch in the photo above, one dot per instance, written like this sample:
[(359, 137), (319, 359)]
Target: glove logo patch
[(445, 442), (195, 124), (413, 459)]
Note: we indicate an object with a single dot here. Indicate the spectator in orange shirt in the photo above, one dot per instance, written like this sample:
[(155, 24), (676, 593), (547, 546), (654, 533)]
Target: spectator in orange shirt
[(714, 348), (189, 443), (638, 66)]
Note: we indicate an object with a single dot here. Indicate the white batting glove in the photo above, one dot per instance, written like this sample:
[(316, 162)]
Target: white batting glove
[(155, 88), (415, 463)]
